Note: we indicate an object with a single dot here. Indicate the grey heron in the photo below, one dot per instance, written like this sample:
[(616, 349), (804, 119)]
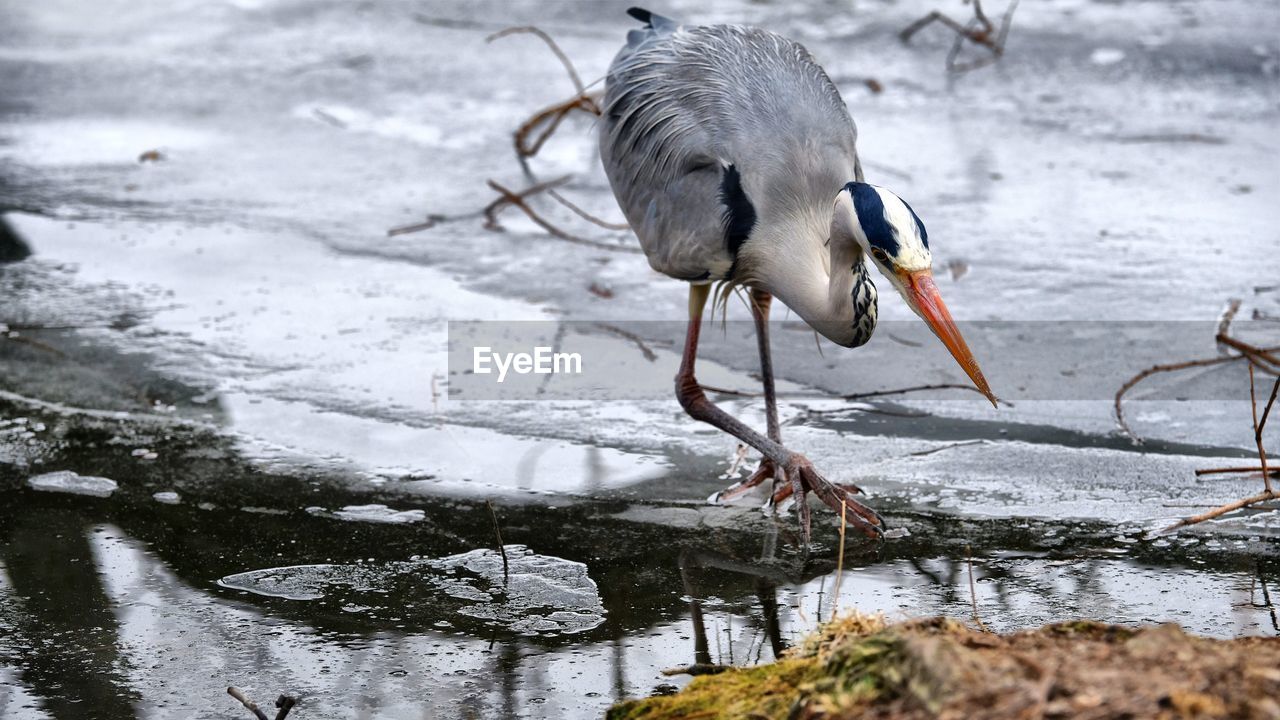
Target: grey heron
[(732, 156)]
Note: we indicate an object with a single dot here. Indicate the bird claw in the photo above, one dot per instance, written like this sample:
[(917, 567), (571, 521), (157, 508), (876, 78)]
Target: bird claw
[(791, 486), (806, 479), (766, 470)]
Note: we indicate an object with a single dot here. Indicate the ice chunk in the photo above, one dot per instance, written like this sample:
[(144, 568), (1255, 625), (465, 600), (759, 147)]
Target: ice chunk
[(1106, 56), (538, 594), (65, 481), (371, 513), (303, 582), (167, 498)]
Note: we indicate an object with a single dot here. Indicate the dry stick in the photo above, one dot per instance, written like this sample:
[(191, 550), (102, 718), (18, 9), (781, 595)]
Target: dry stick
[(1223, 470), (916, 388), (1229, 314), (1153, 370), (835, 598), (549, 119), (1262, 357), (978, 30), (555, 48), (996, 46), (502, 549), (284, 704), (517, 199), (1222, 510), (1259, 425), (1269, 494), (235, 692), (586, 215), (973, 592)]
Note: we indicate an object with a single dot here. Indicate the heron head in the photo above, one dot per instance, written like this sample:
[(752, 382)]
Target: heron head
[(885, 228)]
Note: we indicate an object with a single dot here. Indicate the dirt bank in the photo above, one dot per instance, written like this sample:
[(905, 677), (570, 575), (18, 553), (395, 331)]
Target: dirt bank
[(860, 666)]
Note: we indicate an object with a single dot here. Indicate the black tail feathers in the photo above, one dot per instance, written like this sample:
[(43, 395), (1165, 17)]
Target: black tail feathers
[(642, 15)]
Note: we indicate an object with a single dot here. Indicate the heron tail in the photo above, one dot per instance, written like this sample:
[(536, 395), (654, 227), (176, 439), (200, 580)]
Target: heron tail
[(653, 21)]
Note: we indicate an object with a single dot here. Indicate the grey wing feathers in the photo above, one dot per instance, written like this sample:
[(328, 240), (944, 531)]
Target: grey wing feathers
[(682, 105)]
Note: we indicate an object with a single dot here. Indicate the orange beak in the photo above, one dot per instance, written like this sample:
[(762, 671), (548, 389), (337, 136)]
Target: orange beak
[(923, 296)]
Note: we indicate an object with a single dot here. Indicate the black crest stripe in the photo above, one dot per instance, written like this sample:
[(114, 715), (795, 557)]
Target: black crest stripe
[(739, 213)]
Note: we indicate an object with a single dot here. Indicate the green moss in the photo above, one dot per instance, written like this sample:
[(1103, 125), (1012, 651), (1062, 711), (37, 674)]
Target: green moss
[(764, 691), (845, 664), (1091, 629)]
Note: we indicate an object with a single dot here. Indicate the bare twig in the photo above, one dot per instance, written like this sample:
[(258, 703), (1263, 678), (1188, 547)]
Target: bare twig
[(284, 704), (1259, 425), (236, 693), (1228, 314), (584, 214), (1223, 510), (931, 451), (517, 199), (555, 48), (916, 388), (1154, 370), (1275, 472), (648, 354), (973, 591), (835, 594), (979, 30), (502, 548)]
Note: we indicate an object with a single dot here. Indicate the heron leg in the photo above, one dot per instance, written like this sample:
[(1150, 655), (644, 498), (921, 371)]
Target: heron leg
[(767, 470), (796, 467)]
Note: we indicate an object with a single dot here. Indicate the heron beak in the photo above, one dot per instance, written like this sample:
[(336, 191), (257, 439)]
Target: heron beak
[(923, 296)]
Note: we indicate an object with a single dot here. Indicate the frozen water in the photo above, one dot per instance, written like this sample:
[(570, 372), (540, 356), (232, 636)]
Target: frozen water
[(303, 582), (539, 595), (65, 481), (532, 594), (167, 497), (371, 513)]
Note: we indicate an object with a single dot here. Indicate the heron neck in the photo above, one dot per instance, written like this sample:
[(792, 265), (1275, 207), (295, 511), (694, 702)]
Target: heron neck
[(826, 283)]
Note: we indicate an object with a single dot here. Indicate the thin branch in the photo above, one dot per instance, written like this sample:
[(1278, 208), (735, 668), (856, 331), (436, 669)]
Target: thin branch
[(284, 704), (586, 215), (973, 591), (1275, 472), (979, 30), (1154, 370), (1258, 426), (1223, 510), (236, 693), (517, 199), (916, 388), (648, 354), (502, 548), (835, 594), (555, 48), (1228, 314)]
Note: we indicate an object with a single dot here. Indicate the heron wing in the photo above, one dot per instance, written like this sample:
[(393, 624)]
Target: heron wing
[(697, 120)]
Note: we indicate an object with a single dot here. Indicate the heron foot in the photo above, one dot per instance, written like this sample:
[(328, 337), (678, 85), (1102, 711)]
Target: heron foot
[(766, 470), (806, 479), (794, 482)]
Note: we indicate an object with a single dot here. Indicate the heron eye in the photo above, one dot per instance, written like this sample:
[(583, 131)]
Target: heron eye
[(880, 255)]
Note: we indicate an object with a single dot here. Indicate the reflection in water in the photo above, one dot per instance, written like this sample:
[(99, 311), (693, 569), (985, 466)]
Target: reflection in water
[(65, 632), (137, 636)]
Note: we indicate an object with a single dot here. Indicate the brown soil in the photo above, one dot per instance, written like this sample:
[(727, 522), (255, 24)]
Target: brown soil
[(859, 667)]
